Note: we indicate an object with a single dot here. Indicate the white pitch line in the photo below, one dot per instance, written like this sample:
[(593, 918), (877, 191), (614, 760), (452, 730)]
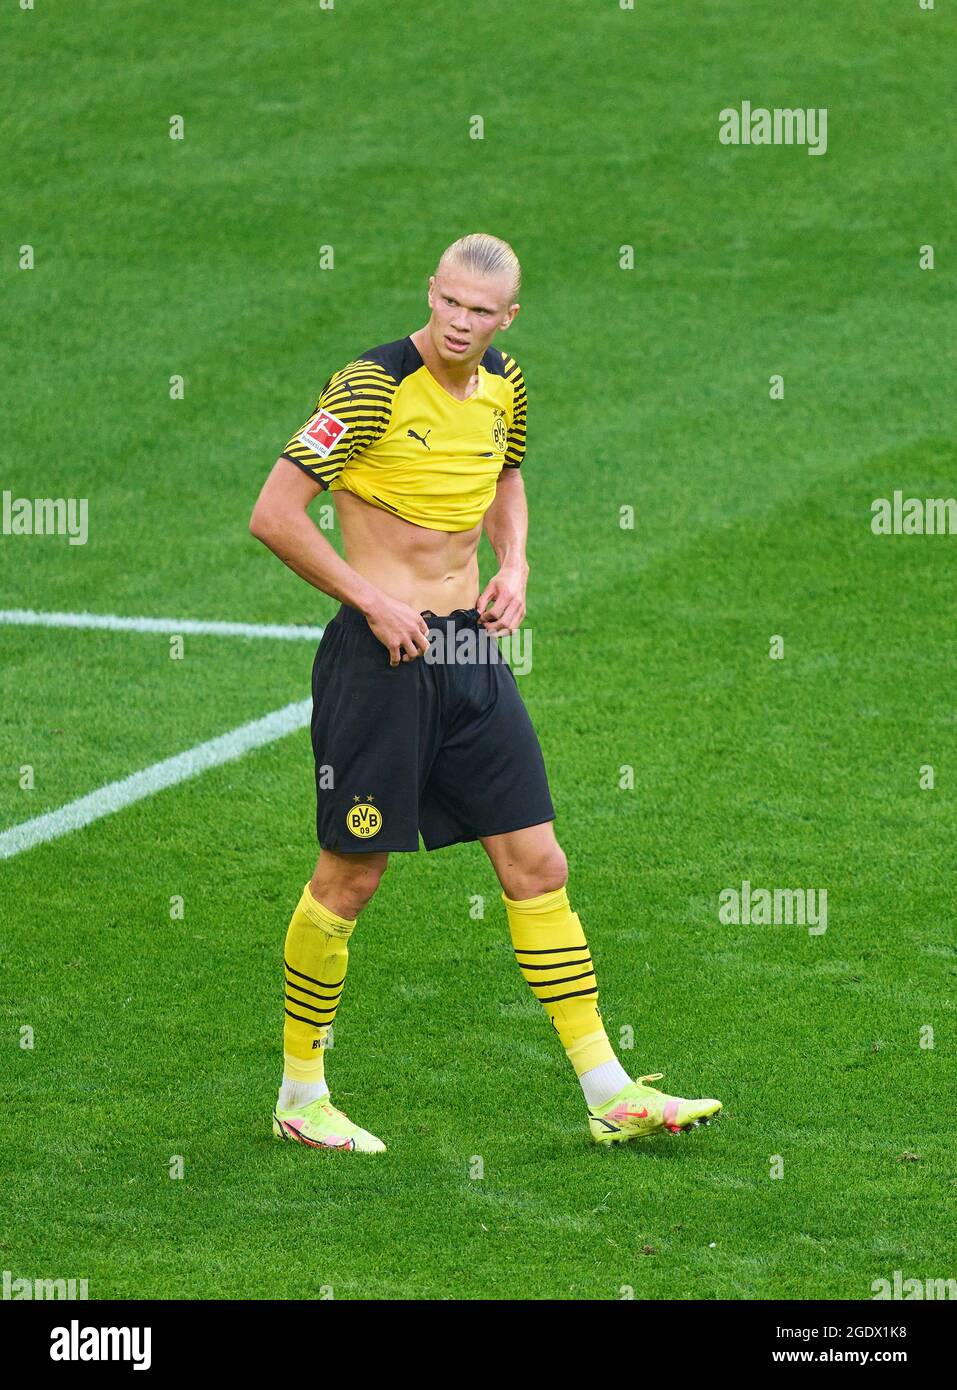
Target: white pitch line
[(115, 795), (26, 617)]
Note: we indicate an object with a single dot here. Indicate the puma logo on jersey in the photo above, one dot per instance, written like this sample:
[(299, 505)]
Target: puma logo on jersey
[(422, 438)]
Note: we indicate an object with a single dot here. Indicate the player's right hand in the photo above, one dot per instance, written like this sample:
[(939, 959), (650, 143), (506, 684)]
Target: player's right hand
[(400, 629)]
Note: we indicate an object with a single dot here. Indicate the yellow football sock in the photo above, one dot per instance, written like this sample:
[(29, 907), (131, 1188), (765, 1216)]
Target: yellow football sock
[(316, 957), (553, 956)]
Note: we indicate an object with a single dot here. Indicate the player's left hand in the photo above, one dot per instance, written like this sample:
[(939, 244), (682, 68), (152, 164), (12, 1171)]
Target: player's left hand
[(501, 604)]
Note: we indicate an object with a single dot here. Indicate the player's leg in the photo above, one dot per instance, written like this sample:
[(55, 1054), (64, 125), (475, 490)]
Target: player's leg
[(552, 952), (554, 958), (316, 959), (370, 728), (489, 782)]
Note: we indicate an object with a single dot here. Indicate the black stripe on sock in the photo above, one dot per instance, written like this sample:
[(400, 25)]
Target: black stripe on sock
[(300, 1003), (566, 980), (291, 984), (311, 1021), (546, 950), (553, 965), (574, 994), (325, 984)]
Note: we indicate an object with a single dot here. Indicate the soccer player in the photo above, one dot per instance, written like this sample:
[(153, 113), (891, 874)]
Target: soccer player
[(417, 723)]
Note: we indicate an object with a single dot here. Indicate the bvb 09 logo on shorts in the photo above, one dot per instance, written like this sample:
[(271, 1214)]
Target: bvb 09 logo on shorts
[(363, 820)]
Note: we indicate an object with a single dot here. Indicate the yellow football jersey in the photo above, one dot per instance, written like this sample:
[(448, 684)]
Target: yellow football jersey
[(384, 429)]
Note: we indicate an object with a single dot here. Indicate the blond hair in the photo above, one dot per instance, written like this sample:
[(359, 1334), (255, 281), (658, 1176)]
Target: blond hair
[(483, 254)]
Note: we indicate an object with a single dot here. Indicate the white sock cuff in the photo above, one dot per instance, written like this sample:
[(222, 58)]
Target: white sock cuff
[(603, 1082), (293, 1094)]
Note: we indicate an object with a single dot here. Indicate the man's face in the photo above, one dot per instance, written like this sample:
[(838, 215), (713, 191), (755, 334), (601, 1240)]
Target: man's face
[(467, 312)]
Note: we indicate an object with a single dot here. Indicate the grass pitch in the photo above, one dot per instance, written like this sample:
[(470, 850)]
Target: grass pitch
[(157, 1037)]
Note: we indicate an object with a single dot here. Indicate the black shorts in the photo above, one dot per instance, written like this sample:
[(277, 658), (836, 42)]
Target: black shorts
[(442, 744)]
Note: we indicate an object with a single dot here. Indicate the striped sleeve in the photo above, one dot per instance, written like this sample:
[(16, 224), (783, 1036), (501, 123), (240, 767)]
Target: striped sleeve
[(515, 452), (352, 412)]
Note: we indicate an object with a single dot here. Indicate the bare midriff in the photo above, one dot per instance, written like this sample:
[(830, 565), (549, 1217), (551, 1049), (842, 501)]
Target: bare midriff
[(429, 570)]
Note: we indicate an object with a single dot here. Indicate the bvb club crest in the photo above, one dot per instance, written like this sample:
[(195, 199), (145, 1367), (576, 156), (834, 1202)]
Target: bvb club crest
[(363, 819), (499, 432)]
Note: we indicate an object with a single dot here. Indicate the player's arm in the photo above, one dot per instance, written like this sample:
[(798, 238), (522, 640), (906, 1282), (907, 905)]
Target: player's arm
[(281, 521), (506, 523)]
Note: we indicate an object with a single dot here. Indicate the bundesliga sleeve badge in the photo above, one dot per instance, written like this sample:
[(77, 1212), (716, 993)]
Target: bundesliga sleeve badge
[(323, 433)]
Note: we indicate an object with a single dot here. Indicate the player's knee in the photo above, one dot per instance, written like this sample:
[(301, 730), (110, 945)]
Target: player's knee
[(548, 872), (554, 871), (345, 884), (363, 881), (358, 890)]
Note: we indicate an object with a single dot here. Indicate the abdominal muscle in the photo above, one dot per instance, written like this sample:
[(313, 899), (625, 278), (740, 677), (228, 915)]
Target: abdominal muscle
[(428, 570)]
